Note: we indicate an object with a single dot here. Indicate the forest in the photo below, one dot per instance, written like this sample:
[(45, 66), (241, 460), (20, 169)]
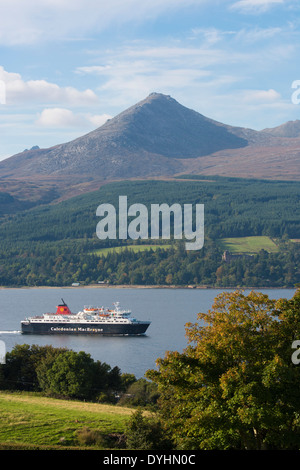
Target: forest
[(55, 244)]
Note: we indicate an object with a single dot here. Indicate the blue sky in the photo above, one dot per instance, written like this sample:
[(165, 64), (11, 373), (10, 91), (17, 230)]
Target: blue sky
[(68, 65)]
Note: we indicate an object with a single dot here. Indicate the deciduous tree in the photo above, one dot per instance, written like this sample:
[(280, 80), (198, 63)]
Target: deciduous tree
[(235, 385)]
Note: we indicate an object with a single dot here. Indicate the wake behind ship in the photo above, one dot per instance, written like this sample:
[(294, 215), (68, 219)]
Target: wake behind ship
[(89, 321)]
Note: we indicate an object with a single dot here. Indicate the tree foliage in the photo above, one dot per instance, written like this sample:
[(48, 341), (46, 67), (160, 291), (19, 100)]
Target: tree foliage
[(140, 393), (62, 263), (145, 433), (235, 386), (59, 372)]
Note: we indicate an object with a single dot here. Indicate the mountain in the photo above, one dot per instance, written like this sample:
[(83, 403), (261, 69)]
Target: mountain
[(143, 140), (157, 137), (289, 129)]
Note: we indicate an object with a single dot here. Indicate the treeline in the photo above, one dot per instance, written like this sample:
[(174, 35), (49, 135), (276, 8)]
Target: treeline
[(57, 372), (233, 208), (62, 263), (64, 373)]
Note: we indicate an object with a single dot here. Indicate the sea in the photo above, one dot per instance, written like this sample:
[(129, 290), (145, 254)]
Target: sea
[(168, 309)]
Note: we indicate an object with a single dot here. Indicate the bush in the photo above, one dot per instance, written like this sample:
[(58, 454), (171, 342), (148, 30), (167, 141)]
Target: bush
[(94, 437), (89, 437), (140, 393), (145, 433)]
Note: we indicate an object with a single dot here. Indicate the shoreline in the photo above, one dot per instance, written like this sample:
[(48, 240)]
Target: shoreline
[(137, 286)]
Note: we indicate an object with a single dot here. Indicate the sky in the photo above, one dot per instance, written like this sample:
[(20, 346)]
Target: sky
[(66, 66)]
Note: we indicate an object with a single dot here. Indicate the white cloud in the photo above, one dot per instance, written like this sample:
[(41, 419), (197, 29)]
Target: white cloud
[(252, 108), (21, 91), (58, 117), (32, 21), (258, 34), (256, 6), (261, 96), (64, 118), (198, 70), (132, 72), (99, 119)]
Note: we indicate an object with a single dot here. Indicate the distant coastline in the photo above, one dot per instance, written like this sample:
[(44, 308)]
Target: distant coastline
[(134, 286)]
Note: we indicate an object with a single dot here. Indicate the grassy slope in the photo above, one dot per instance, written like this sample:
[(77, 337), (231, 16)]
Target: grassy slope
[(234, 245), (27, 419), (248, 244), (134, 248)]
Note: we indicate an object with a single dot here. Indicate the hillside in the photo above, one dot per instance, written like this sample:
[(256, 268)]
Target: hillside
[(49, 423), (288, 129), (157, 137), (233, 207), (55, 245)]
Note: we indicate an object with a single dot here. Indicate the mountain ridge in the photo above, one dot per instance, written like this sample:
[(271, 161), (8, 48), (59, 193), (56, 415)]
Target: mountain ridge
[(155, 128), (157, 138), (288, 129)]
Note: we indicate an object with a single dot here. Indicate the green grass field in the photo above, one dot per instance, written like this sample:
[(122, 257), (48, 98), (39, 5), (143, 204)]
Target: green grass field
[(248, 244), (234, 245), (134, 248), (27, 419)]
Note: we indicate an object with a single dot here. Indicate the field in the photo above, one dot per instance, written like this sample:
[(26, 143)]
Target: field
[(248, 244), (234, 245), (47, 422), (134, 248)]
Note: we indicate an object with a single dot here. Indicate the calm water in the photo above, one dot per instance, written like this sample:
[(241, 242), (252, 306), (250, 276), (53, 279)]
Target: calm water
[(167, 309)]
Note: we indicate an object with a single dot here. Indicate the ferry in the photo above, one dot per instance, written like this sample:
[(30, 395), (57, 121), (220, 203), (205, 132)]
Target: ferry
[(90, 321)]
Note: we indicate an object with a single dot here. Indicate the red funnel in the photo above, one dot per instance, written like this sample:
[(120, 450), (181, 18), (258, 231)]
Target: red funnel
[(63, 309)]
